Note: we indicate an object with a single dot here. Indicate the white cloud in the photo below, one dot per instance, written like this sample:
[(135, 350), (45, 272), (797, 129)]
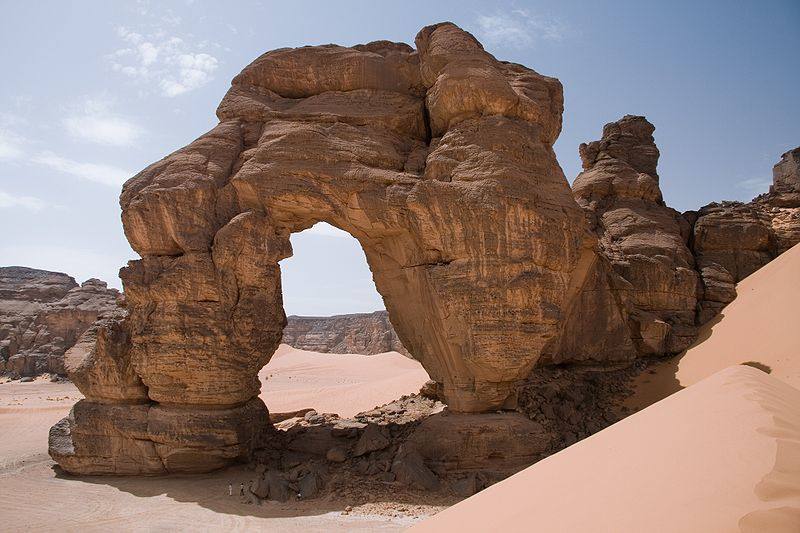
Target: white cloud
[(10, 145), (754, 185), (174, 65), (96, 123), (194, 71), (519, 28), (31, 203), (98, 173)]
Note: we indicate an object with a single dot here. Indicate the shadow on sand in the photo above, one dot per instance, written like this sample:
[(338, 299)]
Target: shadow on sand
[(659, 379)]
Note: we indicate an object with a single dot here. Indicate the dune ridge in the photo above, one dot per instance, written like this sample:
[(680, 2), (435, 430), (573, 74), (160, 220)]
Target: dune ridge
[(721, 455)]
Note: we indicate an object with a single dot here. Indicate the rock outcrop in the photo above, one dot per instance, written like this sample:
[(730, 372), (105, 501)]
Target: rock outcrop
[(734, 239), (649, 283), (439, 161), (659, 274), (42, 314), (361, 333)]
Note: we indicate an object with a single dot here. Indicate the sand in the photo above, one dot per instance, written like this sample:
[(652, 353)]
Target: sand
[(722, 455), (344, 384), (761, 325), (34, 497)]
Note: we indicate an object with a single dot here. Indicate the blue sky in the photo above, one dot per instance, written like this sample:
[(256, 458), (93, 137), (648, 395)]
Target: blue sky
[(95, 91)]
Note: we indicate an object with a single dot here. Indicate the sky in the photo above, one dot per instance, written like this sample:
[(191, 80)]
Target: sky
[(94, 91)]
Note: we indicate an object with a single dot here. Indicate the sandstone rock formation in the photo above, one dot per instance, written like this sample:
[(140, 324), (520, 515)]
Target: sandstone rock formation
[(659, 274), (734, 239), (361, 333), (648, 285), (42, 314), (439, 161)]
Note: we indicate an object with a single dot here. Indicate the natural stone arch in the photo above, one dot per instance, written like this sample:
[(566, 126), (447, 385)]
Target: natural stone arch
[(438, 161)]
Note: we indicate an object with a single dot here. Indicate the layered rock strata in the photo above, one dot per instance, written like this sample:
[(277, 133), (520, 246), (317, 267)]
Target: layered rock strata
[(731, 240), (644, 298), (361, 333), (42, 314), (439, 161)]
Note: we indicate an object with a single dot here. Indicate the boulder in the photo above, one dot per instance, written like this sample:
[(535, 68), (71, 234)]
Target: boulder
[(502, 442), (409, 468), (372, 439)]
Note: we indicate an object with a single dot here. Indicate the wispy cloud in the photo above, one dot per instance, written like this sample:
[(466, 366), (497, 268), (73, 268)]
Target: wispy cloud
[(170, 62), (8, 200), (754, 185), (95, 122), (99, 173), (519, 28), (11, 145)]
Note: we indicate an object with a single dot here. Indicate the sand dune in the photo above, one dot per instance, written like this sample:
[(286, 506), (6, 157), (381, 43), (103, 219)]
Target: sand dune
[(34, 497), (722, 455), (337, 383), (761, 325)]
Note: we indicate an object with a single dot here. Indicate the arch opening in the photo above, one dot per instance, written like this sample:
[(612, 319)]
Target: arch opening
[(339, 352)]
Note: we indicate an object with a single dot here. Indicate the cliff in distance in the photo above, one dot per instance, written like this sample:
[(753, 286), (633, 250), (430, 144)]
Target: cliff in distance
[(359, 333), (42, 314)]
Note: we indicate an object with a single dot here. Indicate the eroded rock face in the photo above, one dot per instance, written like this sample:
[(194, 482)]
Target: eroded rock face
[(361, 333), (785, 189), (652, 286), (439, 161), (734, 239), (42, 314)]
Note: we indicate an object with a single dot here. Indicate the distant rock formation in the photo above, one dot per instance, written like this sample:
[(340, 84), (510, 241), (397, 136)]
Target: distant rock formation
[(731, 240), (42, 314), (360, 333)]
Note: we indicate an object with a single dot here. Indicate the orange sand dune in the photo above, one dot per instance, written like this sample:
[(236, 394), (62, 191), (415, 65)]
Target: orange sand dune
[(722, 455), (337, 383)]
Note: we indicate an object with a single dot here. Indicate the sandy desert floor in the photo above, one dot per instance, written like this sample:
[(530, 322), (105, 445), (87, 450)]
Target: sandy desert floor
[(694, 473), (37, 497), (344, 384)]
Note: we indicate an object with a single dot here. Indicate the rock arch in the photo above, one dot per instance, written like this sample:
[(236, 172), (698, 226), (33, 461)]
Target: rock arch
[(438, 160)]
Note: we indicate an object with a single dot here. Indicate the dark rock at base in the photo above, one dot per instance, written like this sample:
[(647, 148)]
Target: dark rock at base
[(371, 440), (272, 486), (310, 485), (336, 454), (410, 469)]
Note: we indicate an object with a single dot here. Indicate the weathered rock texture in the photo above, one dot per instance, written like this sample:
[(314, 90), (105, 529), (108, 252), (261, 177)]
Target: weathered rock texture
[(643, 296), (731, 240), (660, 274), (439, 161), (42, 314), (361, 333)]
